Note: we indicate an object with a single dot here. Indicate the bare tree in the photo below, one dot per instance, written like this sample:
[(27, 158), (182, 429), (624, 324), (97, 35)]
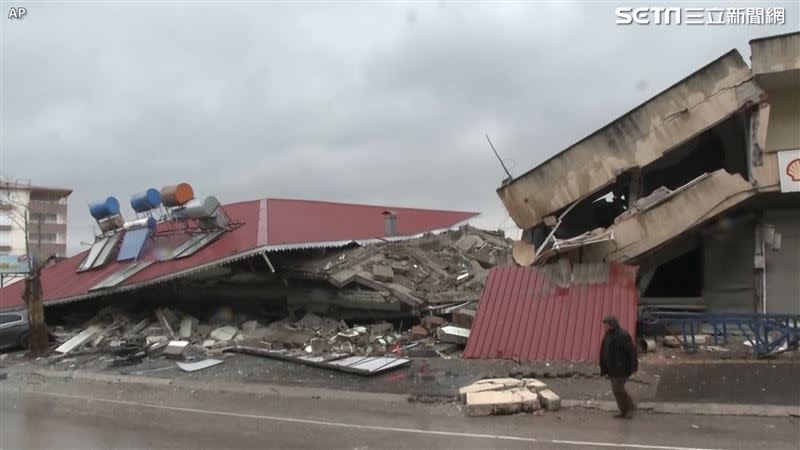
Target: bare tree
[(32, 295)]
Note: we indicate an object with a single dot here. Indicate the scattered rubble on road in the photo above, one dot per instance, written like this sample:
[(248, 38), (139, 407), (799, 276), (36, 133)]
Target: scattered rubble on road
[(497, 396)]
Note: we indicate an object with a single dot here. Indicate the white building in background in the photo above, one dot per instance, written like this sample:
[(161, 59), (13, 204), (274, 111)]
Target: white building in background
[(46, 210)]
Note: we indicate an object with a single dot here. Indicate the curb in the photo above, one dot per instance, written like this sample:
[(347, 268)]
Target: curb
[(275, 390), (287, 391), (700, 409)]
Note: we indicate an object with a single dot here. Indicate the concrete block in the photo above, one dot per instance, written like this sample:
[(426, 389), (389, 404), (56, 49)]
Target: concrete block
[(464, 317), (432, 322), (501, 402), (224, 333), (492, 403), (176, 348), (454, 335), (530, 401), (187, 325), (533, 384), (382, 273), (419, 332), (490, 384), (549, 400)]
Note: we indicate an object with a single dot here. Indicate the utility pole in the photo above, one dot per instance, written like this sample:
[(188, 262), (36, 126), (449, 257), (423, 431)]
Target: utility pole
[(37, 328)]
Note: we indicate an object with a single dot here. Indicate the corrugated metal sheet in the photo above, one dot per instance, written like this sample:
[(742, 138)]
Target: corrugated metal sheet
[(291, 224), (530, 314)]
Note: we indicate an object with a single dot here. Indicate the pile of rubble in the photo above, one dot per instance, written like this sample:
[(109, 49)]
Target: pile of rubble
[(434, 270), (311, 339), (497, 396)]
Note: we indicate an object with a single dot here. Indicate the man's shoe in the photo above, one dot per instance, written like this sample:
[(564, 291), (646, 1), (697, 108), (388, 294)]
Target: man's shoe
[(620, 415), (629, 414)]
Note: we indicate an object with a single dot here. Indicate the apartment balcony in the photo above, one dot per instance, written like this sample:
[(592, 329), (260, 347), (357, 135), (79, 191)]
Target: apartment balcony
[(46, 207), (6, 227), (46, 228)]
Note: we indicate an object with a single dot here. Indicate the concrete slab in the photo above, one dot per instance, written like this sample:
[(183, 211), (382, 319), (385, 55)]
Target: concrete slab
[(452, 334), (549, 400), (491, 384), (224, 334), (382, 272), (491, 403), (534, 384), (82, 338)]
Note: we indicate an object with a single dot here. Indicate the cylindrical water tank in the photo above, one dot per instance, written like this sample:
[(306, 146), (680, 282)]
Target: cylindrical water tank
[(104, 208), (145, 201), (197, 209), (148, 222), (177, 194)]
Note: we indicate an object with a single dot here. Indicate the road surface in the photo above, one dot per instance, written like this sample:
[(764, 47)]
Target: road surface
[(46, 413)]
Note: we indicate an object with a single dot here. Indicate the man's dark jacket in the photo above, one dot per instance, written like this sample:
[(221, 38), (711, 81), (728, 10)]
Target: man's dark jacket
[(618, 356)]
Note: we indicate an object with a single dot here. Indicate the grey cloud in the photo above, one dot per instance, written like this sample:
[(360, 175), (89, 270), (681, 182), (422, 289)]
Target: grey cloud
[(382, 103)]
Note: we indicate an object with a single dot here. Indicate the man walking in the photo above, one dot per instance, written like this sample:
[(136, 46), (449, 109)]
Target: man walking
[(619, 361)]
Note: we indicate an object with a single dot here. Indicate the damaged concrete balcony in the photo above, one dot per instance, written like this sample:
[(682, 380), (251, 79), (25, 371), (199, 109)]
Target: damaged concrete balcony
[(653, 221), (701, 101)]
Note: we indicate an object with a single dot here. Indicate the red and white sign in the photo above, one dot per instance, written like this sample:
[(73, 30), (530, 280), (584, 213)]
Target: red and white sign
[(789, 170)]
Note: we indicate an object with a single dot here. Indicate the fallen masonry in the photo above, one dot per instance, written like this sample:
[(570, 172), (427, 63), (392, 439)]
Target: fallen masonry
[(498, 396)]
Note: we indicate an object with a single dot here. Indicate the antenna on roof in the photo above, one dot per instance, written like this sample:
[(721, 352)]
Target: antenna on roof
[(498, 157)]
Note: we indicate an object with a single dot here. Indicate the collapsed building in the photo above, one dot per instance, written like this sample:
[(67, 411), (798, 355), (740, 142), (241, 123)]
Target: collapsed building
[(315, 282), (699, 187)]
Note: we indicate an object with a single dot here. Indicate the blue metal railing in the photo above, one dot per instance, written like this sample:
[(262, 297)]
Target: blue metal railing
[(765, 332)]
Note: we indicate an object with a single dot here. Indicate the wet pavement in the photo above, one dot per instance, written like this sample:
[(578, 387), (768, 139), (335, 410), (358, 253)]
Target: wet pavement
[(46, 413)]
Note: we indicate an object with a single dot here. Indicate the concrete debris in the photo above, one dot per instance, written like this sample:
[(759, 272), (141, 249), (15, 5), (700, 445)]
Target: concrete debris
[(82, 338), (491, 384), (198, 365), (549, 400), (167, 320), (382, 273), (419, 332), (433, 322), (464, 317), (672, 341), (453, 334), (496, 396), (187, 324), (434, 269), (176, 348), (511, 401), (533, 384), (224, 334)]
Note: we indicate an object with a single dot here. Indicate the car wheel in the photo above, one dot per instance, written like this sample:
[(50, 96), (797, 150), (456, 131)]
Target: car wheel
[(24, 340)]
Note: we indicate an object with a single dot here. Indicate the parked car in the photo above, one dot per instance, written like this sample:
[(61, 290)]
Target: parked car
[(13, 330)]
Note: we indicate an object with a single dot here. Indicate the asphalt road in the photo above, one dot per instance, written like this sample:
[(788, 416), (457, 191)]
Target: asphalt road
[(45, 413)]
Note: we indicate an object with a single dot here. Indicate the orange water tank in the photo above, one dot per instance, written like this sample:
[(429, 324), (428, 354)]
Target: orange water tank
[(177, 194)]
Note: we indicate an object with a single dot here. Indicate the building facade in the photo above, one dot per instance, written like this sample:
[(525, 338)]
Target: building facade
[(36, 211)]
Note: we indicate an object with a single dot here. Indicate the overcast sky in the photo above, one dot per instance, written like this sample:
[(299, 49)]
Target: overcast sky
[(382, 103)]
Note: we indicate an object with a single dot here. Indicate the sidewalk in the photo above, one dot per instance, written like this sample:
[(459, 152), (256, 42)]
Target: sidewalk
[(760, 388)]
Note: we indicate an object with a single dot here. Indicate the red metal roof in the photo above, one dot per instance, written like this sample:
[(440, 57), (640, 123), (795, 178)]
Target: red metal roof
[(268, 224), (525, 314)]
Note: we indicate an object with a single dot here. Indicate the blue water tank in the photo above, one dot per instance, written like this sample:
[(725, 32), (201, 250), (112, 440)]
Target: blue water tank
[(104, 208), (145, 201)]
